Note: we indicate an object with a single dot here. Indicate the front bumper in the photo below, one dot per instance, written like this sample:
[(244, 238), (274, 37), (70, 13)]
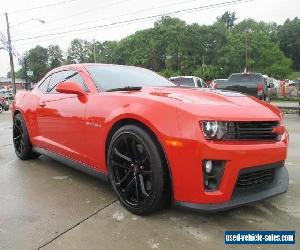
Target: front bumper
[(242, 197), (5, 105)]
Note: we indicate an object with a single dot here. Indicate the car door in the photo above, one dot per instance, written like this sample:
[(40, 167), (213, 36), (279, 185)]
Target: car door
[(61, 117)]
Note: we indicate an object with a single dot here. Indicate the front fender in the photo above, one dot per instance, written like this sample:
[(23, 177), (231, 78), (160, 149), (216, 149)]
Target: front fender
[(162, 120)]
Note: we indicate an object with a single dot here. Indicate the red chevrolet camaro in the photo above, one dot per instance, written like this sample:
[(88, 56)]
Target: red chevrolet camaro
[(156, 143)]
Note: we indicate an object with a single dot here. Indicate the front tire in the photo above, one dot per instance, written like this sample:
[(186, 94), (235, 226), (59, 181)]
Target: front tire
[(21, 140), (137, 171)]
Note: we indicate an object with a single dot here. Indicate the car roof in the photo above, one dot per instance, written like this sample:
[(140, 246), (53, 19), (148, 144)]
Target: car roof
[(79, 66), (247, 73), (174, 77)]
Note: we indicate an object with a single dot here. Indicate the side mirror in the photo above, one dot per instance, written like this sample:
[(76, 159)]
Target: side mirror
[(70, 88)]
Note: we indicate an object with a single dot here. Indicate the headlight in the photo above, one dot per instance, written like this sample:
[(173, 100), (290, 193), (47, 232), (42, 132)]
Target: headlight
[(215, 130)]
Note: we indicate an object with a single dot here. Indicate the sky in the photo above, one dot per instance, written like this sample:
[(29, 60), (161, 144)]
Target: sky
[(45, 22)]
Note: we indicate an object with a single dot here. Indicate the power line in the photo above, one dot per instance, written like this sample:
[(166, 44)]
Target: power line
[(113, 17), (140, 19), (88, 11), (79, 33), (44, 6), (125, 22)]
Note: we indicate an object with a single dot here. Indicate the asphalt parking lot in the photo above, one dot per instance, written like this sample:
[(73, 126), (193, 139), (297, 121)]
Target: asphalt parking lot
[(44, 204)]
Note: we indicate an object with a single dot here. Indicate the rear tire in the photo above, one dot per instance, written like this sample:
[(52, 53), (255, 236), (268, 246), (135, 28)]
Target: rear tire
[(21, 140), (137, 171)]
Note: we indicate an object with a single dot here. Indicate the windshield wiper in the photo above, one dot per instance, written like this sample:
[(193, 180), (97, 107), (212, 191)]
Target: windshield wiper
[(126, 88)]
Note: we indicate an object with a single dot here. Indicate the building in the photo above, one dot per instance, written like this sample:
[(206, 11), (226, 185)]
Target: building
[(5, 82)]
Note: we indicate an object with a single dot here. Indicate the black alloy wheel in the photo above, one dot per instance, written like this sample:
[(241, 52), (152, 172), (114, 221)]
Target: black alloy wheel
[(22, 144), (136, 170), (18, 136)]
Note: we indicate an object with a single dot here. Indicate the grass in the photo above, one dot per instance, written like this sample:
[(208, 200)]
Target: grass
[(285, 99)]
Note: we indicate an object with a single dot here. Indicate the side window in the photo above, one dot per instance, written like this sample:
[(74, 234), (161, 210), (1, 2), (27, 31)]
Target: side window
[(62, 76), (56, 78), (78, 79), (199, 83), (44, 85)]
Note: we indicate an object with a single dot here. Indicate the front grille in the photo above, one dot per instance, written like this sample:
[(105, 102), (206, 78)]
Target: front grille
[(252, 131), (256, 177)]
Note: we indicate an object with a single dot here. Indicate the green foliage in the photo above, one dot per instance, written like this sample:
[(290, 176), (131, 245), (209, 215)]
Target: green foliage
[(289, 40), (55, 56), (173, 47), (168, 73), (208, 72), (80, 51), (228, 18), (294, 75), (40, 60), (19, 74), (37, 61)]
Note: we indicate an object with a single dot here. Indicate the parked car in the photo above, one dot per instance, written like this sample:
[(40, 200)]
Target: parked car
[(290, 83), (3, 104), (155, 142), (297, 83), (277, 83), (188, 81), (253, 84), (215, 82), (6, 93)]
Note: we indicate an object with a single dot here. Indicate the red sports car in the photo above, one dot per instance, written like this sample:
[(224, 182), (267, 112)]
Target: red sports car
[(156, 143)]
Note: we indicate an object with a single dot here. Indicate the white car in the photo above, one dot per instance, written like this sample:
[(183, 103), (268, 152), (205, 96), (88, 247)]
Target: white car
[(188, 81), (7, 94)]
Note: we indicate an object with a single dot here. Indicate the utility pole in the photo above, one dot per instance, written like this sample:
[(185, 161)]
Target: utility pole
[(25, 74), (94, 50), (246, 52), (203, 65), (11, 59)]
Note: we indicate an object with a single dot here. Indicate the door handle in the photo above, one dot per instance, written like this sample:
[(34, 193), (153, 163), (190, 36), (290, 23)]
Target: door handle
[(42, 104)]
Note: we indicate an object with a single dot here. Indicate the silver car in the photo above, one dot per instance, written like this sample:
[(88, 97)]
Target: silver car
[(188, 81)]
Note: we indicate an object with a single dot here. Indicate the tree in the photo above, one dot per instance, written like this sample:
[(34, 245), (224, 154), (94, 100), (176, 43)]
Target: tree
[(289, 40), (19, 74), (37, 61), (80, 51), (55, 56), (228, 18), (173, 47), (107, 52), (264, 55)]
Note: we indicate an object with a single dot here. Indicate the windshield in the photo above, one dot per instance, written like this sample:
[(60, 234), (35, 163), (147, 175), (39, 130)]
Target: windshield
[(245, 78), (108, 77), (183, 81), (220, 80)]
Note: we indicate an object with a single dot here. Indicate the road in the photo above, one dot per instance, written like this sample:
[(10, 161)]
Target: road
[(46, 205)]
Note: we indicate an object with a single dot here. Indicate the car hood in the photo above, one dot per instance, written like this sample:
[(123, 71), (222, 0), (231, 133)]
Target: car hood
[(212, 103)]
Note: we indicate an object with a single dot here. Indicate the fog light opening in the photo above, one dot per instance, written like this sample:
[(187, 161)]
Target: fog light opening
[(212, 184), (208, 166), (212, 173)]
